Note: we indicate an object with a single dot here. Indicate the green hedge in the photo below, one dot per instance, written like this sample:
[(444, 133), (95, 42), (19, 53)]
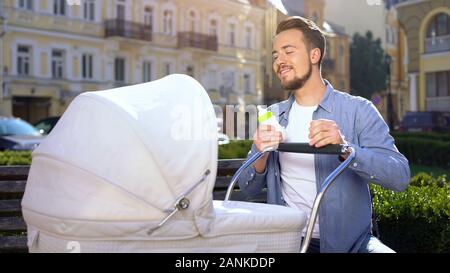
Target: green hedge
[(417, 219), (426, 135), (15, 158), (424, 151), (235, 149)]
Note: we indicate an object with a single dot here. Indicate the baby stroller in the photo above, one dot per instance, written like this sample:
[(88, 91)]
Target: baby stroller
[(132, 169)]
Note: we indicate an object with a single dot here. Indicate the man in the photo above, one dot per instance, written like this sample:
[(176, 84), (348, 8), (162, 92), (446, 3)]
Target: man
[(320, 115)]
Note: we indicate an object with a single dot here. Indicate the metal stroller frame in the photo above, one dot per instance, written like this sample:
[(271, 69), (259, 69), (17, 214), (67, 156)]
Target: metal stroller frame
[(307, 149)]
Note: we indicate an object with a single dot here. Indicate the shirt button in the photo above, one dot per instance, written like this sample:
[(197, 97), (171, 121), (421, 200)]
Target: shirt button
[(355, 164), (372, 177)]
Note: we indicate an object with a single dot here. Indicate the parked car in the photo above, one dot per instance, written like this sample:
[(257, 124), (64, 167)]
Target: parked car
[(18, 135), (46, 125), (222, 139), (424, 122)]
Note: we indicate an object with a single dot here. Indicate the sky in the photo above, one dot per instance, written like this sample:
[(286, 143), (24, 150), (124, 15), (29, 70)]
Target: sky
[(357, 16)]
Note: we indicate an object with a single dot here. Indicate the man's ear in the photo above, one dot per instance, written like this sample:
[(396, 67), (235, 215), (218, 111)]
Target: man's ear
[(315, 55)]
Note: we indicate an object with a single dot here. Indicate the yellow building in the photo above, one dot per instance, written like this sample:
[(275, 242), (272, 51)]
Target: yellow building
[(55, 49), (426, 24), (336, 61), (395, 47)]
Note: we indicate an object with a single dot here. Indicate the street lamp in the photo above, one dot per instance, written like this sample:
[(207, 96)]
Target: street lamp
[(390, 116)]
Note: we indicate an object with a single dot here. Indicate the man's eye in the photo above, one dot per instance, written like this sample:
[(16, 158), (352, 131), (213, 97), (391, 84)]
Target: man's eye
[(289, 52), (274, 57)]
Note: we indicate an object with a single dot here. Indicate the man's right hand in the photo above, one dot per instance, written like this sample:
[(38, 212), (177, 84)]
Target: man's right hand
[(264, 137)]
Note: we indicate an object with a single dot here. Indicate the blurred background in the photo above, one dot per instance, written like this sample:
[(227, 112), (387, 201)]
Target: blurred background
[(395, 53)]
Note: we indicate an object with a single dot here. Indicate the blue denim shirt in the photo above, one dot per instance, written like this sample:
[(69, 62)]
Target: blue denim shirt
[(346, 209)]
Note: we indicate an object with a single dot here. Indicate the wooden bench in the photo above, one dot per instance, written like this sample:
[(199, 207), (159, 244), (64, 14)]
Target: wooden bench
[(13, 237)]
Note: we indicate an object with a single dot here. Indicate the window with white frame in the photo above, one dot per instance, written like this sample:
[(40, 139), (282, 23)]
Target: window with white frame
[(248, 37), (147, 70), (59, 7), (148, 17), (247, 83), (168, 22), (57, 62), (119, 69), (190, 70), (23, 60), (120, 10), (26, 4), (213, 27), (89, 10), (167, 68), (192, 19), (232, 34), (87, 66)]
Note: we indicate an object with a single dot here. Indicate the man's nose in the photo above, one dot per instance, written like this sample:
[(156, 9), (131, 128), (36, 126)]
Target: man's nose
[(280, 59)]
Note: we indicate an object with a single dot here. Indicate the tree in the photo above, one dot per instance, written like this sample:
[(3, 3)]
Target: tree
[(367, 66)]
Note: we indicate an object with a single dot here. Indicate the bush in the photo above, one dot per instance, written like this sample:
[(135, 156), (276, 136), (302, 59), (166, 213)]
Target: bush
[(235, 149), (416, 220), (425, 135), (15, 158), (424, 151)]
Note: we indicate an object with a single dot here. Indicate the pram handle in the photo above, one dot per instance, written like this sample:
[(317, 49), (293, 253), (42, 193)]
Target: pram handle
[(305, 148), (301, 148)]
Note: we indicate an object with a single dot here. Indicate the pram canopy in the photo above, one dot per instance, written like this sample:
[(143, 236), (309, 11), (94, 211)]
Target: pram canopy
[(119, 160)]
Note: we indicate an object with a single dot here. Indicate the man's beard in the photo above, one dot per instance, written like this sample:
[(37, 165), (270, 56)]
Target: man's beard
[(298, 83)]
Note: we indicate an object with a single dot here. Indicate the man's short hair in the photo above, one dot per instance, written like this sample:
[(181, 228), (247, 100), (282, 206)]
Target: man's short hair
[(314, 36)]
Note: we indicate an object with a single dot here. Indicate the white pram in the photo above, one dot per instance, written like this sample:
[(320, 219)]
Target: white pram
[(132, 169)]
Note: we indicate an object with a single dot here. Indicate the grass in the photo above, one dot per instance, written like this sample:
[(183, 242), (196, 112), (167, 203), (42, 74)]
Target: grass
[(435, 171)]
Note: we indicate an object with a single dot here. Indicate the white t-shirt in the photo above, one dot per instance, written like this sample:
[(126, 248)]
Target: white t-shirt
[(297, 170)]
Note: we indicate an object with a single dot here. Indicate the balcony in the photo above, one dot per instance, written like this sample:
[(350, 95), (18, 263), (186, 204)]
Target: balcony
[(437, 44), (127, 29), (197, 40)]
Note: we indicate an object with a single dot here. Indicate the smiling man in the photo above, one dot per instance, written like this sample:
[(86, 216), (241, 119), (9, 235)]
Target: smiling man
[(320, 115)]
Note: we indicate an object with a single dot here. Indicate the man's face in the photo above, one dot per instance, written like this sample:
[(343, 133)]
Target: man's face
[(291, 60)]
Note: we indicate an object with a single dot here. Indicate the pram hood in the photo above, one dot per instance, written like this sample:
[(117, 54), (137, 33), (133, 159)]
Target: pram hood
[(118, 160)]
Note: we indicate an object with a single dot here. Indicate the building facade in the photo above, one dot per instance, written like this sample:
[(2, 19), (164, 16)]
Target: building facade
[(55, 49), (426, 24)]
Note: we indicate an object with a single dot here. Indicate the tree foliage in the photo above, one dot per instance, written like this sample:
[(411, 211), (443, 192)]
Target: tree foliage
[(368, 70)]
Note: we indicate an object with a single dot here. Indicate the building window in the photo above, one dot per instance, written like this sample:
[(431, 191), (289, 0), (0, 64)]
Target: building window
[(119, 69), (59, 7), (167, 22), (247, 84), (167, 68), (23, 60), (147, 68), (248, 37), (438, 34), (87, 66), (26, 4), (438, 84), (148, 17), (190, 70), (120, 10), (58, 57), (232, 34), (192, 21), (213, 25), (89, 10)]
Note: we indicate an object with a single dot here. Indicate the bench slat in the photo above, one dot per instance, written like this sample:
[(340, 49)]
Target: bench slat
[(13, 244), (10, 207), (14, 172), (8, 187), (12, 224)]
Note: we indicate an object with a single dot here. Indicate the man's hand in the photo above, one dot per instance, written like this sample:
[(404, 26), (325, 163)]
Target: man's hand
[(266, 136), (323, 132)]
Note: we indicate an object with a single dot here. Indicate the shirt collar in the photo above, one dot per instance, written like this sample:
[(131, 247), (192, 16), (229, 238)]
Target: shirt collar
[(326, 103)]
